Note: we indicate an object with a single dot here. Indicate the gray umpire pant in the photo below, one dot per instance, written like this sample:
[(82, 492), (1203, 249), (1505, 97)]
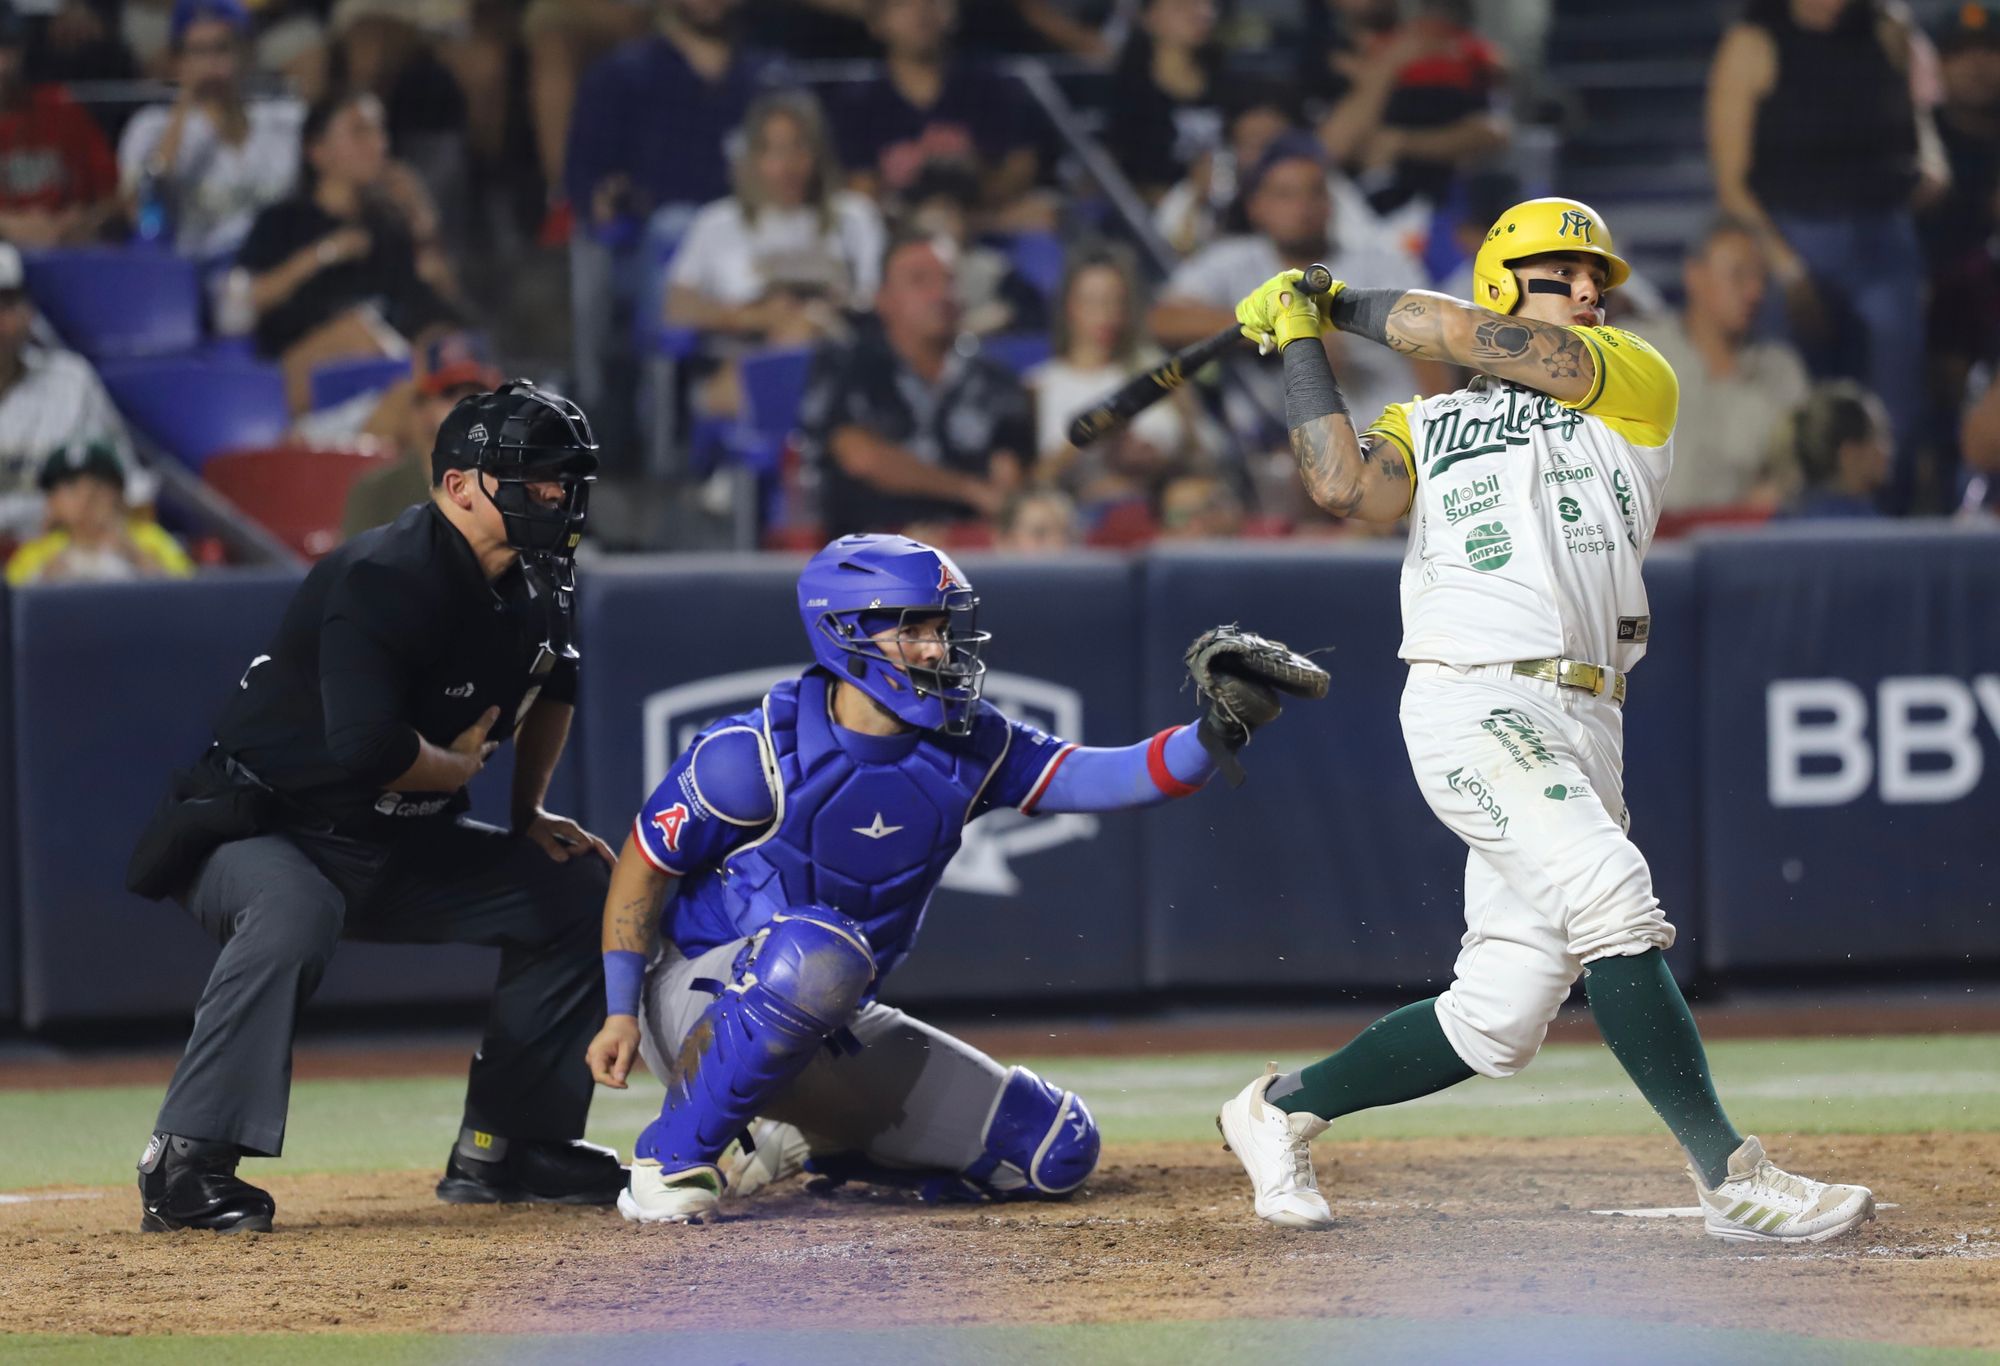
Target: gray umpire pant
[(280, 902), (913, 1097)]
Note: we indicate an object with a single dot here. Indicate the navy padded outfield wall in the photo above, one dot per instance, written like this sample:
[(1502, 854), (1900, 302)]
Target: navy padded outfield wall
[(1813, 769), (1851, 756)]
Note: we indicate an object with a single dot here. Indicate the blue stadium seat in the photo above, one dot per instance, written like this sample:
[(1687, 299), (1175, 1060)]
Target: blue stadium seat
[(109, 302), (196, 407), (1039, 258), (774, 387), (337, 381), (1018, 351)]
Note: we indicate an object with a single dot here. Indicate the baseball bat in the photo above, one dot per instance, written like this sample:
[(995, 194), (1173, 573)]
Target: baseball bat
[(1141, 392)]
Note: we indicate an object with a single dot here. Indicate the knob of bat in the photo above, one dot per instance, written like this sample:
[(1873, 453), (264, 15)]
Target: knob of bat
[(1317, 280)]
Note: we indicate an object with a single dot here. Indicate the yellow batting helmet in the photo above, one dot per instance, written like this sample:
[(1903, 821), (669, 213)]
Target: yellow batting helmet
[(1531, 228)]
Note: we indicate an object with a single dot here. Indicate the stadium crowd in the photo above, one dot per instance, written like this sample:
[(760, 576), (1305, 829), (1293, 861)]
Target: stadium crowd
[(844, 265)]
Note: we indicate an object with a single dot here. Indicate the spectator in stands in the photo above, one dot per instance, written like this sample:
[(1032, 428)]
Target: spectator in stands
[(350, 265), (92, 534), (212, 160), (1200, 507), (390, 48), (1816, 139), (1410, 103), (451, 367), (1191, 213), (561, 40), (1097, 347), (931, 104), (78, 43), (48, 398), (1038, 521), (653, 117), (777, 261), (1164, 112), (1842, 445), (900, 427), (1978, 493), (58, 180), (1959, 230), (1735, 390), (993, 296), (1289, 214)]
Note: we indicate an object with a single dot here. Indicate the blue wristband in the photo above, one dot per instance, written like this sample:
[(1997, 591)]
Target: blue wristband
[(624, 972)]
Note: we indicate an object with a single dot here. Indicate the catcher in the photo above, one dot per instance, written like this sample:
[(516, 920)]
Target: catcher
[(794, 849)]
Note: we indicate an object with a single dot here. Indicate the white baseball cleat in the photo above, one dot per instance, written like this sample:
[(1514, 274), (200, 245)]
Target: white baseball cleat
[(780, 1153), (1760, 1200), (1275, 1148), (654, 1196)]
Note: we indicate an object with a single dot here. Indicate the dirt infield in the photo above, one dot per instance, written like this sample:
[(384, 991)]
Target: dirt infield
[(1431, 1229)]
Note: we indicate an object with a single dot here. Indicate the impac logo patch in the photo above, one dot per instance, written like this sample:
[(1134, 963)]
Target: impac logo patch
[(985, 862)]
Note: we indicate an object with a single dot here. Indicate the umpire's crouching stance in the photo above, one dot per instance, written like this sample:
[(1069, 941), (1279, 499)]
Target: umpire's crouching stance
[(329, 808)]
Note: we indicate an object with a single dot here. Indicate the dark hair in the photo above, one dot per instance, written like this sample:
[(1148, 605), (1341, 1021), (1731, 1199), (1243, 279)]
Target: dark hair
[(319, 118), (901, 236), (1833, 414), (1098, 255)]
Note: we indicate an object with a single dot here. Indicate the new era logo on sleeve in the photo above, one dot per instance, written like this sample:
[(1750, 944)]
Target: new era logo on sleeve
[(670, 822)]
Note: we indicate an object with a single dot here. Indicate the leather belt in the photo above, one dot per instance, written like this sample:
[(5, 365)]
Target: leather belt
[(1594, 679)]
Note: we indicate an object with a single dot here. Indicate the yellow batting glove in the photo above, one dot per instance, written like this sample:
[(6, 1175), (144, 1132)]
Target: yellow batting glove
[(1278, 312)]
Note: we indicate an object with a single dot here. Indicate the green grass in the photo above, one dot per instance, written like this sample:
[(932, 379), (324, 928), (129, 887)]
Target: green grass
[(1380, 1342), (92, 1136)]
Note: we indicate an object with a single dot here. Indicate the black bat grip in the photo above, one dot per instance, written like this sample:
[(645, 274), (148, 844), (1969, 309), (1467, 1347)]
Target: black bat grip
[(1318, 279)]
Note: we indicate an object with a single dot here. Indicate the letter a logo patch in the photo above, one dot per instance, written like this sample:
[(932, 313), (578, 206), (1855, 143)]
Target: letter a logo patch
[(670, 822)]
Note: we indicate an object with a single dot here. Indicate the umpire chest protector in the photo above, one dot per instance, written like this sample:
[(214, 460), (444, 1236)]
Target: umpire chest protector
[(865, 824)]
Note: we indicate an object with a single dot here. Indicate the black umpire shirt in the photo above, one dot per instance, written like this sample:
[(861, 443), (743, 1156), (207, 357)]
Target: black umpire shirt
[(396, 634)]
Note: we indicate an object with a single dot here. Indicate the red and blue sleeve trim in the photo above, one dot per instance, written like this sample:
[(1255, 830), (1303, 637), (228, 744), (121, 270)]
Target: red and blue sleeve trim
[(1156, 766)]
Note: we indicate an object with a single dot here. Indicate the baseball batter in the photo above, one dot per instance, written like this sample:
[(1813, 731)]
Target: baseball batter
[(800, 843), (1532, 495)]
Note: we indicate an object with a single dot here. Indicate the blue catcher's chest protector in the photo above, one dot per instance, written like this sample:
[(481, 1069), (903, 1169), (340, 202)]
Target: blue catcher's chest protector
[(866, 824)]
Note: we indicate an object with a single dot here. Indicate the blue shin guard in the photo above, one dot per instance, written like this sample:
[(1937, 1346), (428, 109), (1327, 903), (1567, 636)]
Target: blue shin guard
[(1040, 1144), (796, 988)]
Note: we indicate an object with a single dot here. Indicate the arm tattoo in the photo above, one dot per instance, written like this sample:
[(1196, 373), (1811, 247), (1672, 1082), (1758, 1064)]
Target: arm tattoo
[(634, 919), (1329, 463), (1387, 457), (1564, 359), (1500, 339)]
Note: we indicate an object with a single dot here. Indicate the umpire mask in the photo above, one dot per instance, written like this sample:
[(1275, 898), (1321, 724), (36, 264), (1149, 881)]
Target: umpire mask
[(516, 436)]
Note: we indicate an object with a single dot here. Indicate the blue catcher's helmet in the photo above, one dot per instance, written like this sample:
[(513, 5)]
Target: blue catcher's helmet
[(861, 585)]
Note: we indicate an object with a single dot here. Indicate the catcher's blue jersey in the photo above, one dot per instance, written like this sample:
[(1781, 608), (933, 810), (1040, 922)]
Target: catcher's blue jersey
[(780, 807)]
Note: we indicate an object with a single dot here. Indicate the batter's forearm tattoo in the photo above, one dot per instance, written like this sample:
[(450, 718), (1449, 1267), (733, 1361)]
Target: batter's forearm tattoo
[(1330, 463), (1431, 326)]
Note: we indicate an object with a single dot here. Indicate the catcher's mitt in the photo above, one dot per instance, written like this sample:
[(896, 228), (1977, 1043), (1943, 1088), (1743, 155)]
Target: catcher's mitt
[(1242, 675)]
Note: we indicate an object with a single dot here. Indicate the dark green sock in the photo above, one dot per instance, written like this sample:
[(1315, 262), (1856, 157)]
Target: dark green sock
[(1644, 1018), (1401, 1056)]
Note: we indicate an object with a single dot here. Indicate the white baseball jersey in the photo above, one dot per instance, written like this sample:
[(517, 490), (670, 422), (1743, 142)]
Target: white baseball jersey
[(1531, 515)]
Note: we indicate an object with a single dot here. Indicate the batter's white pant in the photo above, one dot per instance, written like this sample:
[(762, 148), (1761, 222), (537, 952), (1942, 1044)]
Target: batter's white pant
[(1530, 775), (913, 1097)]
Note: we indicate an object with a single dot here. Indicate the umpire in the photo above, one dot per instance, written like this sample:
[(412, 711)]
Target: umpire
[(330, 807)]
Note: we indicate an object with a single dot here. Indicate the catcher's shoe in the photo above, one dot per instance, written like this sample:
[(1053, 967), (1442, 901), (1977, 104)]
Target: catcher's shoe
[(1275, 1148), (777, 1152), (655, 1196), (574, 1173), (1760, 1200), (192, 1183)]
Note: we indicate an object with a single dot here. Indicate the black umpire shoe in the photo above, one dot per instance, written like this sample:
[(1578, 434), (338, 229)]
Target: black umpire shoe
[(192, 1183), (519, 1172)]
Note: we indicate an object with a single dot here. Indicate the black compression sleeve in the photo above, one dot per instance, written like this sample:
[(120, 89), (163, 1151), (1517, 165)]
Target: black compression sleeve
[(1311, 392), (1364, 312)]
